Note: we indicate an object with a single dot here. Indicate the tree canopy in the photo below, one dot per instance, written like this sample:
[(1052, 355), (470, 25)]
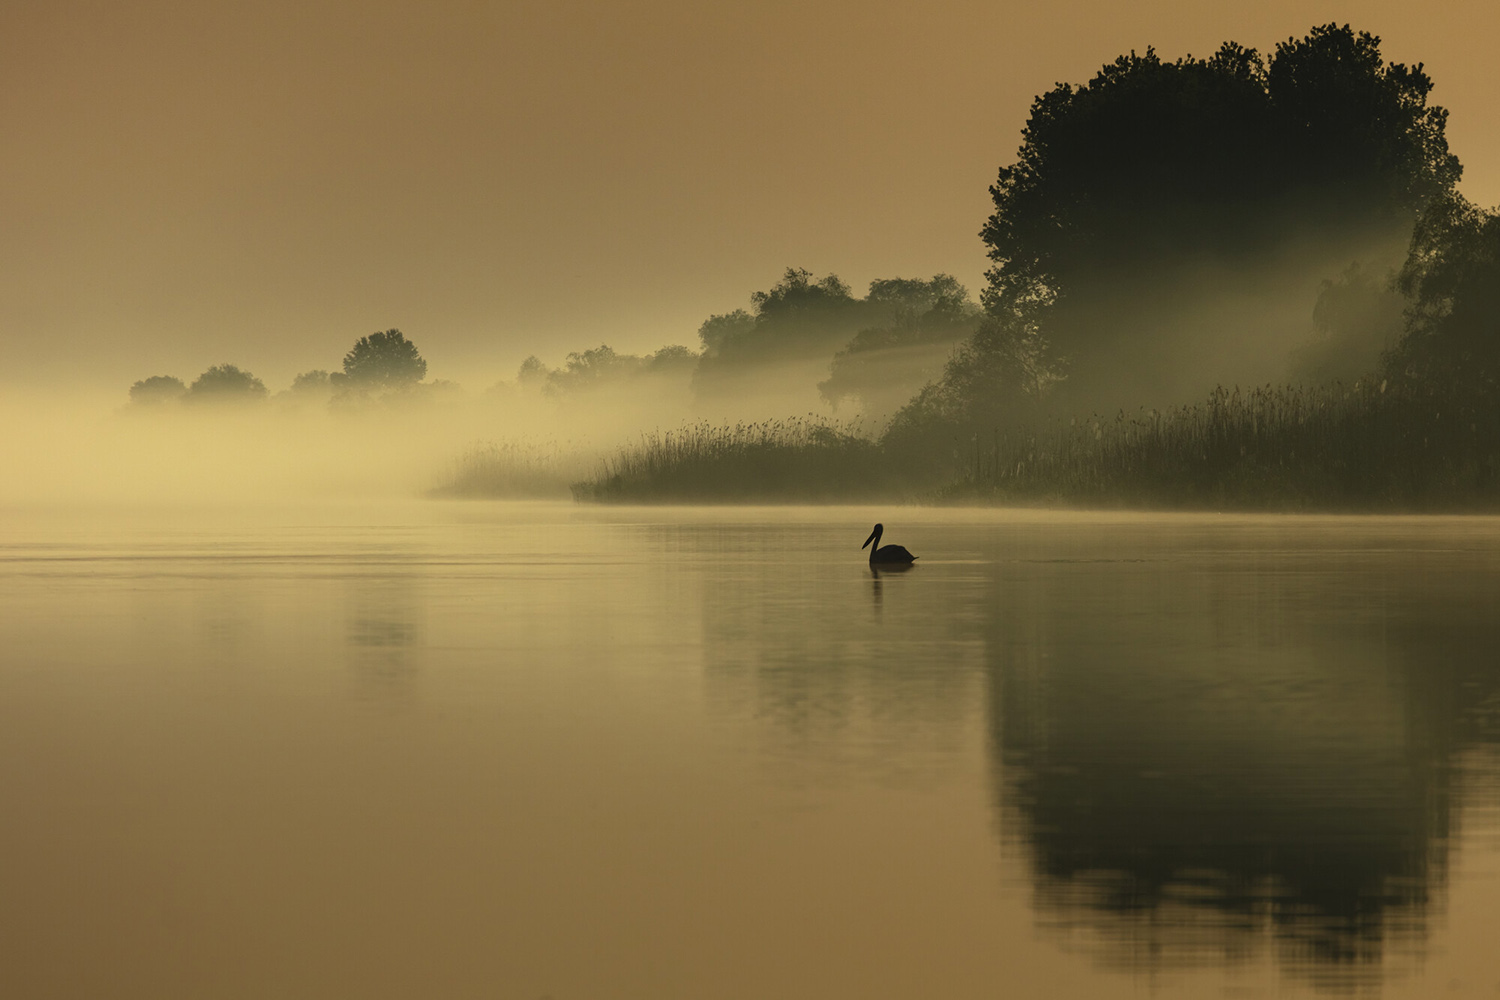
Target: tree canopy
[(156, 390), (1157, 177), (883, 366), (799, 317), (226, 383), (384, 360), (1452, 282)]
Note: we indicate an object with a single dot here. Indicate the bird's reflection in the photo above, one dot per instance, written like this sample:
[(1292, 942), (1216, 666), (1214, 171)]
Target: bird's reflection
[(877, 570)]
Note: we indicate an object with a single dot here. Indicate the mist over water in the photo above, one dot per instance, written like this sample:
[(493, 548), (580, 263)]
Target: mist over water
[(327, 689), (396, 747)]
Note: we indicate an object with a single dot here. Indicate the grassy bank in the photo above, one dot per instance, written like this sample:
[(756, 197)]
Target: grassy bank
[(1370, 446), (801, 460), (1366, 447)]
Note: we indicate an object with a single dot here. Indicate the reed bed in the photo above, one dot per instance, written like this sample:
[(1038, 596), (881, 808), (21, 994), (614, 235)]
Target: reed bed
[(797, 460), (1369, 446), (511, 470)]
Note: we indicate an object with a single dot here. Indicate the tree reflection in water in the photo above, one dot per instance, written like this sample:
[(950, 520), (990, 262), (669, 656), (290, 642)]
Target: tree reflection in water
[(1198, 756), (1212, 743)]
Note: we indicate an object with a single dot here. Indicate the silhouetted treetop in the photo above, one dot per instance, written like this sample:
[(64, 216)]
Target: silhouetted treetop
[(156, 390), (1358, 123), (603, 367), (1145, 202), (384, 360), (921, 323), (674, 358), (226, 383), (720, 329), (798, 292), (311, 382), (532, 372), (1154, 158)]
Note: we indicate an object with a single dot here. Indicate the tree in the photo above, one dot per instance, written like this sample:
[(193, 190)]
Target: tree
[(384, 360), (226, 383), (674, 359), (602, 367), (532, 372), (593, 368), (311, 383), (1356, 319), (884, 366), (796, 319), (718, 330), (1144, 201), (767, 356), (156, 390), (1452, 280)]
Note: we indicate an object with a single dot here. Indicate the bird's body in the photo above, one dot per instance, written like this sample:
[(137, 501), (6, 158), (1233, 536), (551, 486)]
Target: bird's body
[(886, 553)]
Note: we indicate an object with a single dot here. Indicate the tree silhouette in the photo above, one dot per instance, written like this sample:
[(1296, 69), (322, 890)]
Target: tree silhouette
[(882, 367), (314, 382), (1453, 281), (1142, 198), (1357, 317), (384, 360), (226, 383), (156, 390)]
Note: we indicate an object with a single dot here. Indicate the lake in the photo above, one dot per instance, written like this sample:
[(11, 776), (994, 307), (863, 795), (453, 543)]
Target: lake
[(422, 749)]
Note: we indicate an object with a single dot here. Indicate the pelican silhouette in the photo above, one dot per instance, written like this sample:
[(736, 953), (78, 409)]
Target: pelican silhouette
[(889, 553)]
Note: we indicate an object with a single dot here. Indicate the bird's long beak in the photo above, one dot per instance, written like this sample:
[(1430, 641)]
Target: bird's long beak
[(873, 536)]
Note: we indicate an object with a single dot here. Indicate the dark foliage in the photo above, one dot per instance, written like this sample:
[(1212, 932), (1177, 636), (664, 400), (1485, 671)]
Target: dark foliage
[(156, 390), (882, 367), (1356, 319), (1129, 191), (313, 383), (1452, 279), (226, 383), (798, 320), (384, 360), (1373, 446), (603, 368)]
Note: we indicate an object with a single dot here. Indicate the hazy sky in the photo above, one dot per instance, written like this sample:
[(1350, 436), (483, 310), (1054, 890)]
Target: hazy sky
[(186, 183)]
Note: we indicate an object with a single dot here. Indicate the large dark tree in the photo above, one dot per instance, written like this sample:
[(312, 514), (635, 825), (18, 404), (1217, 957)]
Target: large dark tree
[(384, 360), (1149, 207)]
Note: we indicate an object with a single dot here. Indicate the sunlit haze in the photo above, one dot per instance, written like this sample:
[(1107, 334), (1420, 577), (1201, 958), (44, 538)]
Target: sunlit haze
[(188, 184)]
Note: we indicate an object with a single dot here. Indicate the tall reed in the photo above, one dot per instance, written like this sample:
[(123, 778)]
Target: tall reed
[(799, 459), (1371, 445)]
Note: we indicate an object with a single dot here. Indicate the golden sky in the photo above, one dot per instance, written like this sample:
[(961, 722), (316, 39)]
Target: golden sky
[(187, 183)]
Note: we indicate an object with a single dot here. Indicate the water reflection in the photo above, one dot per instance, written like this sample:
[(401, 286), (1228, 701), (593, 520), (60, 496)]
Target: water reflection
[(876, 572), (1214, 754), (837, 658), (383, 631)]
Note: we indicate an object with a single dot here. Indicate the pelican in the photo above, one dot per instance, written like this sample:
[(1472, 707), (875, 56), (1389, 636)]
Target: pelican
[(888, 554)]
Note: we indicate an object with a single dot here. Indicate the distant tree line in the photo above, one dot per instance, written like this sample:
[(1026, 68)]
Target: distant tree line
[(1150, 217), (1160, 224), (876, 350), (383, 365)]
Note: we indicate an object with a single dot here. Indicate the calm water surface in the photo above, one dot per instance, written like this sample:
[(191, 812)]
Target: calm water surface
[(489, 750)]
